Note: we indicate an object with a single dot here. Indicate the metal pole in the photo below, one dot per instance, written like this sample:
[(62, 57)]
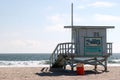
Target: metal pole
[(72, 14), (72, 32), (71, 22)]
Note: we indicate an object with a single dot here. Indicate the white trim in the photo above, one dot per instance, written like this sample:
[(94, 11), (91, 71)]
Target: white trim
[(90, 27)]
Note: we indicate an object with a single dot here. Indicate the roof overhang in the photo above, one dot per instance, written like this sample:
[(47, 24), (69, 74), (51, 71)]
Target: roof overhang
[(90, 27)]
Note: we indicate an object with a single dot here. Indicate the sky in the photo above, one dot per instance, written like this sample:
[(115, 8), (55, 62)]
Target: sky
[(37, 26)]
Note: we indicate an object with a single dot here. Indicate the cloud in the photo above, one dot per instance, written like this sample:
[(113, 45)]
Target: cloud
[(102, 4), (97, 4), (82, 7), (57, 23), (57, 18), (55, 28), (18, 43), (38, 46), (107, 18), (26, 43), (9, 33), (71, 1)]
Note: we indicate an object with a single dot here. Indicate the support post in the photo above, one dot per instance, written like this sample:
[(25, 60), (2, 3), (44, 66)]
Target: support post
[(72, 67), (105, 64), (64, 67), (95, 64)]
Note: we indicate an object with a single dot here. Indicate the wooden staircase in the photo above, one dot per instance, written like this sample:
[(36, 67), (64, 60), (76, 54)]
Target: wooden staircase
[(62, 53)]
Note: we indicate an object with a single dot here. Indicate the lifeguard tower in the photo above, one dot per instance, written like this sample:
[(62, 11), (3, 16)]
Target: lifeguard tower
[(89, 46)]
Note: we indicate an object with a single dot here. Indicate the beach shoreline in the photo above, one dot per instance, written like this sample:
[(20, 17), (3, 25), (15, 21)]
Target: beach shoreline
[(48, 65), (45, 73)]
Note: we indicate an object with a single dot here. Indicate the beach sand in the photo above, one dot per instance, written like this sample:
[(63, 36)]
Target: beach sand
[(45, 73)]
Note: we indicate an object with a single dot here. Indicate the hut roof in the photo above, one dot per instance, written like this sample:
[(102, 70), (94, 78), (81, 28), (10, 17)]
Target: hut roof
[(89, 27)]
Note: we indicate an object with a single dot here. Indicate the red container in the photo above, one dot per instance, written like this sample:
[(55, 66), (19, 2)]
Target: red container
[(80, 69)]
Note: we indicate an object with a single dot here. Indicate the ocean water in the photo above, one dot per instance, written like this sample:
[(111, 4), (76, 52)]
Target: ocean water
[(38, 60), (114, 60), (24, 60)]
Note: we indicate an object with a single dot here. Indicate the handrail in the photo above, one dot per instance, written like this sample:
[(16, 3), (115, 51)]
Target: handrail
[(109, 48), (62, 48), (54, 50)]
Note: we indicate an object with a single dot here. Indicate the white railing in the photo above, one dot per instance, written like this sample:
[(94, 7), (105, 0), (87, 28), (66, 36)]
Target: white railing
[(64, 49), (69, 50), (109, 48)]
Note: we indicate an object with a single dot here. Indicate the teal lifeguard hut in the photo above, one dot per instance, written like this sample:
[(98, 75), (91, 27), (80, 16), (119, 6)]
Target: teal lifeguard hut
[(88, 45)]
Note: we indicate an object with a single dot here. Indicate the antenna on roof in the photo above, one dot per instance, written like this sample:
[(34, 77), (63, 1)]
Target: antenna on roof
[(71, 21), (72, 14)]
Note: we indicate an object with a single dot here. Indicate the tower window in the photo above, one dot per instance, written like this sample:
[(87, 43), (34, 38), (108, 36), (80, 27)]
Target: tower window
[(96, 34)]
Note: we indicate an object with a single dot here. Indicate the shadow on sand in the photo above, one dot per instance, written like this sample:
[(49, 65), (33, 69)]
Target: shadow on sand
[(59, 72)]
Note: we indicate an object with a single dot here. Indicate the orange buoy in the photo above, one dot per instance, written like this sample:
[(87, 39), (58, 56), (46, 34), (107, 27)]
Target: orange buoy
[(80, 69)]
